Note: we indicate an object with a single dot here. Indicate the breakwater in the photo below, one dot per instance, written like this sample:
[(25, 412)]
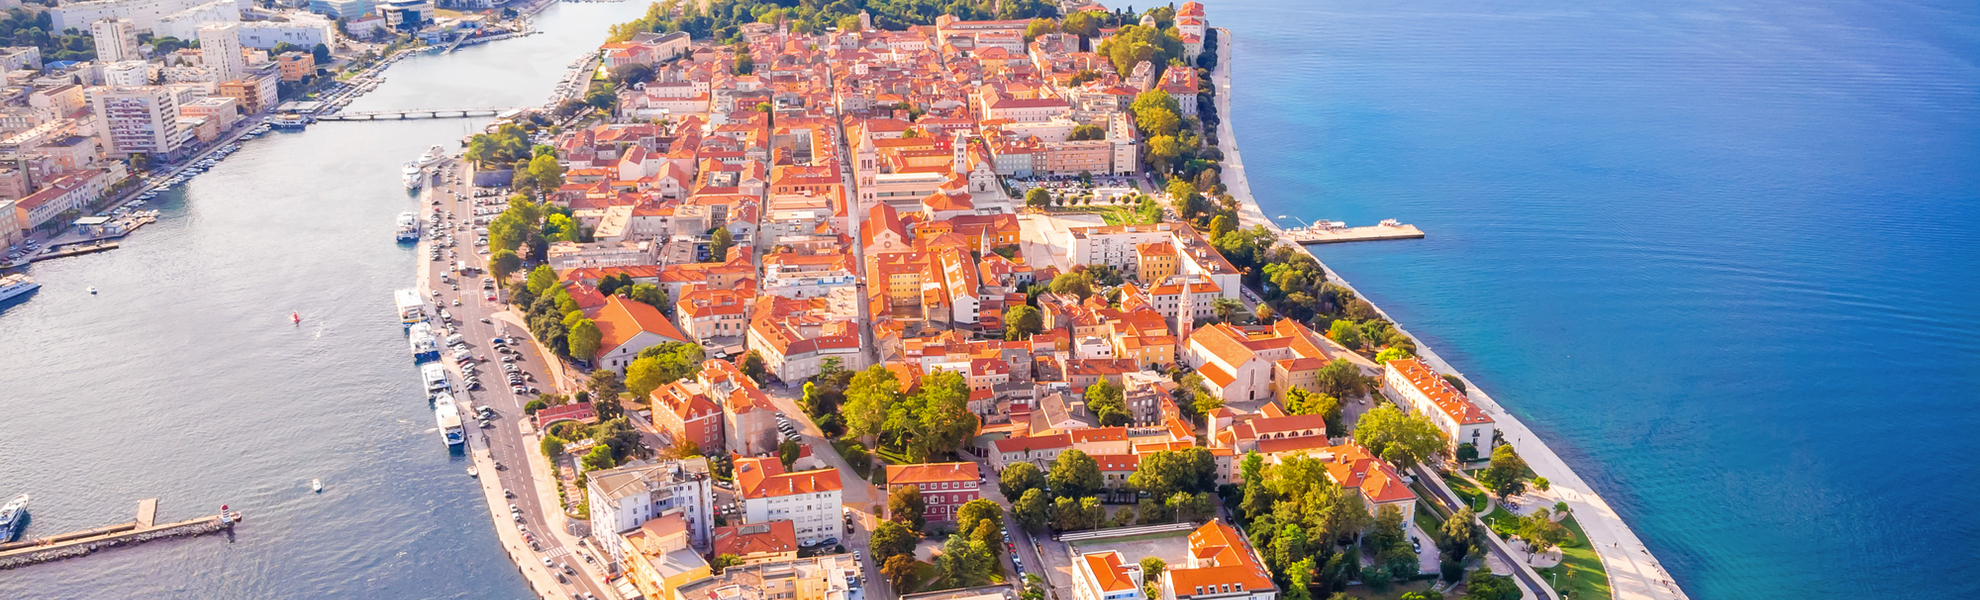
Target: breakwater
[(79, 543)]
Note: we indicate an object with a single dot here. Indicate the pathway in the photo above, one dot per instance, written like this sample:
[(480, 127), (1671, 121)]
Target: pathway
[(1634, 574)]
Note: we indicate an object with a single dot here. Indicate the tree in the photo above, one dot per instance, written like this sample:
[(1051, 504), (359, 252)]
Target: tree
[(1033, 510), (965, 562), (1086, 132), (1074, 474), (1406, 440), (718, 245), (1302, 402), (629, 74), (1467, 452), (872, 393), (547, 173), (1455, 382), (599, 458), (1019, 478), (1227, 309), (541, 278), (943, 412), (1220, 225), (1022, 322), (1540, 483), (1345, 333), (905, 506), (1166, 472), (900, 570), (1458, 534), (787, 453), (551, 447), (1039, 27), (1077, 284), (1389, 354), (321, 54), (660, 365), (605, 388), (1340, 379), (1540, 531), (981, 510), (503, 262), (1507, 475), (583, 339), (1105, 400), (1071, 514), (648, 294), (849, 24), (891, 539), (1483, 585), (724, 561), (754, 367), (1037, 198)]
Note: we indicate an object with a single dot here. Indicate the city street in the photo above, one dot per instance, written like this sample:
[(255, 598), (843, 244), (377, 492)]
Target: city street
[(520, 469)]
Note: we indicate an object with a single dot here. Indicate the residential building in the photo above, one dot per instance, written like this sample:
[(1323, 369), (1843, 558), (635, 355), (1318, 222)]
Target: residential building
[(303, 29), (220, 51), (342, 9), (817, 578), (116, 40), (143, 14), (72, 192), (1107, 576), (626, 327), (684, 412), (1352, 466), (1222, 566), (1421, 389), (945, 487), (757, 543), (627, 496), (656, 556), (296, 66), (139, 120), (810, 500)]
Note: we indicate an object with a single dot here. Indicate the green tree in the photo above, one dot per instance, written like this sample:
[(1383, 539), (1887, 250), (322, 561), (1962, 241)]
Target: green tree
[(1220, 225), (1151, 573), (1037, 198), (1105, 400), (1168, 472), (584, 338), (1406, 440), (1077, 284), (754, 367), (981, 509), (648, 294), (724, 561), (872, 393), (1540, 531), (905, 506), (551, 446), (1039, 27), (660, 365), (1345, 333), (1389, 354), (901, 571), (787, 453), (943, 413), (1072, 514), (1022, 322), (719, 243), (965, 562), (1507, 475), (891, 539), (605, 387), (1074, 474), (1483, 585), (503, 262), (1227, 309), (321, 54), (1086, 132), (1340, 379), (547, 173), (599, 458), (1033, 510), (541, 278), (849, 24), (1302, 402), (1019, 478)]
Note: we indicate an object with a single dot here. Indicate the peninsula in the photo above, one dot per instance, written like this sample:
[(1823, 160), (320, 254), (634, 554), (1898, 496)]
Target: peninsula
[(779, 291)]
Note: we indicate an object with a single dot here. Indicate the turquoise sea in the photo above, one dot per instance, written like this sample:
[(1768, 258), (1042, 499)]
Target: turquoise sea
[(1720, 254)]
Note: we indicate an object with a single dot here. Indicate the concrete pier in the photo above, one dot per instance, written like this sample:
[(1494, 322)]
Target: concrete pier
[(1323, 235), (141, 529)]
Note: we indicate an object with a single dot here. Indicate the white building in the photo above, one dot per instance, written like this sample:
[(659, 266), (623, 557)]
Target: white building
[(220, 51), (1106, 576), (810, 500), (302, 29), (138, 120), (143, 14), (116, 40), (1419, 387), (129, 73), (622, 498), (186, 24)]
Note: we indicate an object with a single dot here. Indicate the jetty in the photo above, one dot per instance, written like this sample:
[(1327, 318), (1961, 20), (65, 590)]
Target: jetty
[(141, 529), (1337, 233), (399, 115), (76, 250)]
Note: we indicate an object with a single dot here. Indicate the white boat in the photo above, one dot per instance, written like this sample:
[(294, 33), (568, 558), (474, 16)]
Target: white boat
[(15, 285), (316, 484), (412, 306), (449, 417), (12, 517), (435, 376), (425, 346), (413, 175), (432, 157), (408, 227)]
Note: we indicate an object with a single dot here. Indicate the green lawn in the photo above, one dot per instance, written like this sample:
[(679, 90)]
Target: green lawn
[(1472, 496), (1501, 521), (1580, 573), (1396, 591)]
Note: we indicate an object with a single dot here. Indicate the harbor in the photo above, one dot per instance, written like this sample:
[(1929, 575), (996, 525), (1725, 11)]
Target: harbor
[(142, 528), (1335, 232)]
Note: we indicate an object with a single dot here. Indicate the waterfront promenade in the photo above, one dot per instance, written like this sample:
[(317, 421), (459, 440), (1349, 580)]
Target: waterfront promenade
[(1634, 573)]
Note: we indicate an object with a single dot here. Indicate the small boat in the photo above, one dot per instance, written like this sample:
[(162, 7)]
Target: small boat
[(92, 290), (473, 473), (12, 517), (317, 485), (295, 317)]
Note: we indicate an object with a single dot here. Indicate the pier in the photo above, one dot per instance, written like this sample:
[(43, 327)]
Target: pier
[(142, 528), (1334, 233), (75, 250), (424, 113)]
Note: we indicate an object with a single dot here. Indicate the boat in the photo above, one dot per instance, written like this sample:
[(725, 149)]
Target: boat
[(413, 175), (449, 417), (288, 122), (412, 307), (435, 376), (92, 290), (317, 485), (425, 346), (432, 157), (408, 227), (13, 517), (16, 285), (473, 473), (295, 317)]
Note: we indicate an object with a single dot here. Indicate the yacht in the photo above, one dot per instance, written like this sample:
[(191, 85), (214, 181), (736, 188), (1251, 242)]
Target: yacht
[(413, 175), (449, 417), (12, 517), (425, 345), (16, 285), (408, 227), (432, 157)]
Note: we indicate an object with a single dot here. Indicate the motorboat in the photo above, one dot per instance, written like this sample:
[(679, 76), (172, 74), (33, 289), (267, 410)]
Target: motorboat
[(16, 285)]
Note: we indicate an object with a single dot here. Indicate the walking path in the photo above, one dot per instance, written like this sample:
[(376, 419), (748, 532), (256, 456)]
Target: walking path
[(1634, 574)]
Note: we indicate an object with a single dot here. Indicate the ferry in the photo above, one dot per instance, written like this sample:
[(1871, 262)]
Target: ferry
[(288, 122), (408, 227), (435, 376), (412, 307), (13, 517), (425, 346), (16, 285), (449, 417)]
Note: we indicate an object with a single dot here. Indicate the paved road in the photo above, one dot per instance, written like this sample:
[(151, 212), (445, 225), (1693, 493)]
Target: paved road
[(505, 440), (1451, 504)]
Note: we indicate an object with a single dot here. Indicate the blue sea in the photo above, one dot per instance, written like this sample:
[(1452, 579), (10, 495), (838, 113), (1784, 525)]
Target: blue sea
[(1720, 254)]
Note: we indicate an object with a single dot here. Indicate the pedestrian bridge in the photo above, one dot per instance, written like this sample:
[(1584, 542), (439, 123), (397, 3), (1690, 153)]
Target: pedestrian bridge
[(424, 113)]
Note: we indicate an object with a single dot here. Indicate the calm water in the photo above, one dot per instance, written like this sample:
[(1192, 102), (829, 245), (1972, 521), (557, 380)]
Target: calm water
[(184, 379), (1721, 254)]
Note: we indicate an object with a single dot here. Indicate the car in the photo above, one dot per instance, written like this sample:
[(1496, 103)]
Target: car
[(856, 556), (519, 518), (546, 561), (508, 494), (484, 320), (535, 546), (519, 390), (568, 569), (562, 579)]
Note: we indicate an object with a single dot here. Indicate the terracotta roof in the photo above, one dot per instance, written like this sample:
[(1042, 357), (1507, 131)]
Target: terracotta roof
[(762, 538), (765, 478), (1448, 399), (623, 319), (931, 473), (1229, 559), (1108, 572)]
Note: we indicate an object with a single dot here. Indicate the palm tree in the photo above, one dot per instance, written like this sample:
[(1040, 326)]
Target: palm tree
[(1226, 308)]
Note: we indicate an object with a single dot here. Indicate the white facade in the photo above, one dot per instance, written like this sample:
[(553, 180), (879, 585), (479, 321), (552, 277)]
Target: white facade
[(622, 498), (143, 14), (220, 51), (129, 73), (186, 24), (815, 515), (306, 30), (116, 40), (133, 120)]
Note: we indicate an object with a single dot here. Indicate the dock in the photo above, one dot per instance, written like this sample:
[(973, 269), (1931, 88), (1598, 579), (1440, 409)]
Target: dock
[(141, 529), (1336, 234), (76, 250)]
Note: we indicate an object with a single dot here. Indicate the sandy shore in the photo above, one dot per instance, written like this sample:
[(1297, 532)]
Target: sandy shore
[(1634, 574)]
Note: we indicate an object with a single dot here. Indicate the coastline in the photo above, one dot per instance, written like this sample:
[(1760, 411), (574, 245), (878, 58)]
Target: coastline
[(1633, 572)]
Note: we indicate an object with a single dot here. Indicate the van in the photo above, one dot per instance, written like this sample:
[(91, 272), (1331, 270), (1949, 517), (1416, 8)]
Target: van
[(460, 266), (456, 339)]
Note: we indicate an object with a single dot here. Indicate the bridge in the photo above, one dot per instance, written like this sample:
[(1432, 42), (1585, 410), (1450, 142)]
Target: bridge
[(423, 113)]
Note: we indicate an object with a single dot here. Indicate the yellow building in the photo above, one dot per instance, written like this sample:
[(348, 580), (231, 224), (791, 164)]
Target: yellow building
[(658, 557), (1156, 261)]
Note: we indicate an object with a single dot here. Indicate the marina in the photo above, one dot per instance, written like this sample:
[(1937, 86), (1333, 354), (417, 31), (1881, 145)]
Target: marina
[(141, 529)]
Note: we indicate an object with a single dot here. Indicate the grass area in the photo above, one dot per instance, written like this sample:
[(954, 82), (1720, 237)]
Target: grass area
[(1502, 522), (1113, 214), (1580, 573), (1472, 496), (1428, 520)]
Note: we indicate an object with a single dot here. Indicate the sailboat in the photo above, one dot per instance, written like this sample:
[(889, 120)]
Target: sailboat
[(295, 317)]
